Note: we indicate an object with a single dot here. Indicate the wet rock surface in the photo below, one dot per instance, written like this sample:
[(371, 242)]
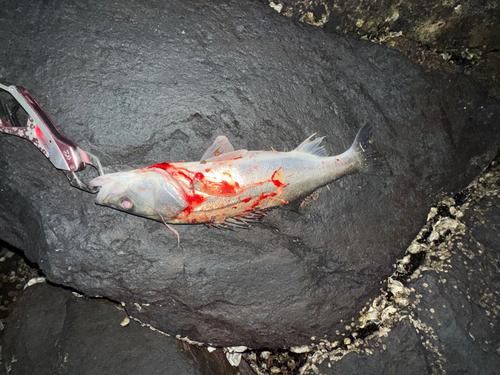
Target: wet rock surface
[(14, 274), (150, 82), (453, 36), (47, 329), (53, 332), (445, 317), (440, 317), (400, 352)]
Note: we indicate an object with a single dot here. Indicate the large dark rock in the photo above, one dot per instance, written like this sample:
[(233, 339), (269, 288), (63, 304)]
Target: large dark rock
[(450, 36), (53, 332), (399, 352), (451, 325), (146, 82)]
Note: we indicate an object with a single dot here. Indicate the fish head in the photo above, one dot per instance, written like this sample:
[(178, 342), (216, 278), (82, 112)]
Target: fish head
[(153, 194)]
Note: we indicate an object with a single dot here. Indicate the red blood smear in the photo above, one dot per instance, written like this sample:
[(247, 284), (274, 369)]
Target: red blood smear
[(214, 188), (278, 183), (188, 175), (228, 188), (206, 186), (219, 188), (164, 166), (262, 197), (193, 200)]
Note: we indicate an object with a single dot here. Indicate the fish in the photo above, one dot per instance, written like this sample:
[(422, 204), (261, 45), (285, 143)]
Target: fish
[(230, 187)]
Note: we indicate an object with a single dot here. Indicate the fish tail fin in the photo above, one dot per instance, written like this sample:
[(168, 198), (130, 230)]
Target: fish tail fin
[(369, 159)]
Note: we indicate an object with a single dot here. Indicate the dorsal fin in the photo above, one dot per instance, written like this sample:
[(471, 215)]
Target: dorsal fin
[(312, 147), (220, 146), (233, 155)]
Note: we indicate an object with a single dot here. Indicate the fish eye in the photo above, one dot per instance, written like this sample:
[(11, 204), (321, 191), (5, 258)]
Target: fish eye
[(126, 204)]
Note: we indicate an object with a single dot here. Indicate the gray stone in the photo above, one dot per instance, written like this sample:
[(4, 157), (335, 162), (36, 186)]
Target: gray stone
[(147, 82), (453, 37), (53, 332), (451, 325), (462, 305), (399, 352)]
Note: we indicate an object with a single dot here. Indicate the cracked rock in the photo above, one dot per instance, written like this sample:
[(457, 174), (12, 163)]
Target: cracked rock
[(53, 332), (451, 323)]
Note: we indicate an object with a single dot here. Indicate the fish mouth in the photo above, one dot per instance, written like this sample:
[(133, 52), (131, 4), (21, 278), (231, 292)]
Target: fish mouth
[(109, 187)]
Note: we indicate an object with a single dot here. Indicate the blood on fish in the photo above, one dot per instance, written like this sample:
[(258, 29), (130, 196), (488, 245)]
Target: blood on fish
[(278, 183), (261, 198), (173, 170), (198, 188), (193, 200), (219, 188), (164, 166), (278, 178), (204, 186), (226, 187)]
